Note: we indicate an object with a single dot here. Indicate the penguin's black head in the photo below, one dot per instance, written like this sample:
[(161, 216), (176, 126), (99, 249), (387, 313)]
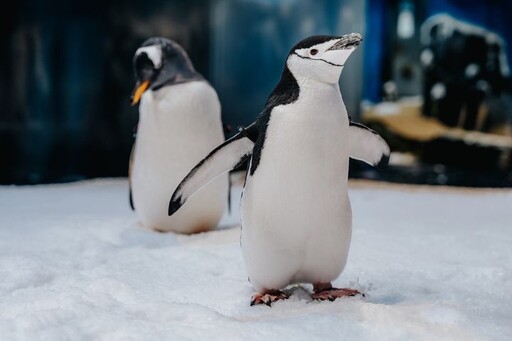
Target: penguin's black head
[(159, 62), (322, 57)]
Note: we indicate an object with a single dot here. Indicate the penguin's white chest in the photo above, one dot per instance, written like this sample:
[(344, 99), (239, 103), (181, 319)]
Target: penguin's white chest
[(178, 126), (296, 217)]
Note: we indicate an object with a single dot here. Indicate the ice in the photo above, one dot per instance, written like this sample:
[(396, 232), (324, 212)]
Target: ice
[(436, 264)]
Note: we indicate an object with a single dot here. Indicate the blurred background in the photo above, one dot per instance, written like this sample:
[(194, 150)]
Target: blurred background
[(432, 77)]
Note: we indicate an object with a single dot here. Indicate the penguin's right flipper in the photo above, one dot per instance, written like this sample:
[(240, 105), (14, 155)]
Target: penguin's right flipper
[(225, 157)]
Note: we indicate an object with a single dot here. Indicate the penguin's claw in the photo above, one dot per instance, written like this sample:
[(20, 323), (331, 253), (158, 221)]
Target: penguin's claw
[(334, 293), (268, 298)]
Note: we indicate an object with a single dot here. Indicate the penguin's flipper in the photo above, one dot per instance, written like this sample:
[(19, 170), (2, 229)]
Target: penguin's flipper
[(229, 155), (130, 165), (130, 198), (368, 146)]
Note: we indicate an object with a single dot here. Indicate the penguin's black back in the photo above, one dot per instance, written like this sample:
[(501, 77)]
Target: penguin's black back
[(286, 92)]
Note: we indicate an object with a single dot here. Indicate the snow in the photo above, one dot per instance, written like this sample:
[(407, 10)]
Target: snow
[(436, 264)]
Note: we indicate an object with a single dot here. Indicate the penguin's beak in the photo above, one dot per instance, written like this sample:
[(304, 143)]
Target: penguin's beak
[(347, 42), (140, 87)]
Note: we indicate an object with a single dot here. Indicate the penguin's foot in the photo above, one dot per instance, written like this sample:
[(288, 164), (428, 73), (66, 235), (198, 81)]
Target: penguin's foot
[(268, 298), (325, 291)]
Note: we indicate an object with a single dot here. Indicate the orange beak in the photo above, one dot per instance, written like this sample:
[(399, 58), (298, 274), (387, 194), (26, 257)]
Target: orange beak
[(137, 94)]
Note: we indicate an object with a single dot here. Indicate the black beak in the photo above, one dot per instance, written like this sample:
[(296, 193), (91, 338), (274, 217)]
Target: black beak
[(348, 41)]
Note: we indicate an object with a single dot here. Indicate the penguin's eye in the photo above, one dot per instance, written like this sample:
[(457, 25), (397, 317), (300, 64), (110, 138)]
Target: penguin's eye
[(313, 52)]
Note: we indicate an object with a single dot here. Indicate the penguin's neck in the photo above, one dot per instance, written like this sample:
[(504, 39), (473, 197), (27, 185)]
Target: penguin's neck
[(320, 92)]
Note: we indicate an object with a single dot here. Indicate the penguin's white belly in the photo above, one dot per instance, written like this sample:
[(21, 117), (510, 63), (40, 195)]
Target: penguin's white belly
[(296, 216), (178, 126)]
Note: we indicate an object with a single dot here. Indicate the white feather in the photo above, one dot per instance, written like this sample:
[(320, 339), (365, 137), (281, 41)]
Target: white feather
[(154, 53), (367, 146)]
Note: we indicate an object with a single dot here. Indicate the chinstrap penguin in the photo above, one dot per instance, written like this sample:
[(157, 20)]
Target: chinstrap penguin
[(296, 214), (179, 123)]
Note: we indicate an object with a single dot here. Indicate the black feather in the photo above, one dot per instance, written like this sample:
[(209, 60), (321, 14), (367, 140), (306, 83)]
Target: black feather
[(174, 205), (286, 92)]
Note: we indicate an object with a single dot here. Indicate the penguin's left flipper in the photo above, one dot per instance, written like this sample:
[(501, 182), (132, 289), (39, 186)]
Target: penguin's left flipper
[(368, 146), (224, 158)]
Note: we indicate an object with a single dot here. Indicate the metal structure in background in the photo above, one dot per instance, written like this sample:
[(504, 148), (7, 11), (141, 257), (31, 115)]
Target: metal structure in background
[(389, 57), (466, 72), (444, 101)]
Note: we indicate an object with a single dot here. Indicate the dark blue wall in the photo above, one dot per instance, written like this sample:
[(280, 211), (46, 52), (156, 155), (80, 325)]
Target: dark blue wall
[(65, 110), (374, 49), (251, 41), (67, 79)]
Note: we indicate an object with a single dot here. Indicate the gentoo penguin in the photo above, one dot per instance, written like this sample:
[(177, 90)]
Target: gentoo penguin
[(296, 214), (179, 123)]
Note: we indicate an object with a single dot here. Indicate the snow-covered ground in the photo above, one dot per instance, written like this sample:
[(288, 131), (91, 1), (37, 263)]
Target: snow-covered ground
[(75, 265)]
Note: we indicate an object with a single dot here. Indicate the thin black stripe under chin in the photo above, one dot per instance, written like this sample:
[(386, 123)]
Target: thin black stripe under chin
[(325, 61)]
